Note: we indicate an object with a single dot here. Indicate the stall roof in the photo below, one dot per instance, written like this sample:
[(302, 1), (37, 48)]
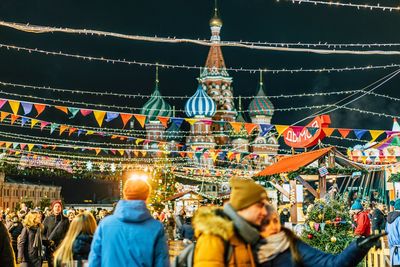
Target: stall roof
[(293, 163)]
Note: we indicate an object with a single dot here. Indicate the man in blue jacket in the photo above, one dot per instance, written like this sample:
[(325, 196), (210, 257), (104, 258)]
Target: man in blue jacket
[(130, 237)]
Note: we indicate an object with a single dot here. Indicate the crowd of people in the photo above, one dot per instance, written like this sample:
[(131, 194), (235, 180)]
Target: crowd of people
[(246, 231)]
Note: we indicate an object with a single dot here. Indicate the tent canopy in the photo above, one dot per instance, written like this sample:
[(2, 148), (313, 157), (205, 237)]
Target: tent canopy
[(293, 163)]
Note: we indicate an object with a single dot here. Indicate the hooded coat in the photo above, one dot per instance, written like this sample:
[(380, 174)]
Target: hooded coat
[(213, 228), (129, 237), (363, 223), (393, 230)]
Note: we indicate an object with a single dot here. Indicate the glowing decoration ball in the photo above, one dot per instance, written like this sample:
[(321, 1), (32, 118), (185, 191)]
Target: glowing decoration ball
[(333, 239)]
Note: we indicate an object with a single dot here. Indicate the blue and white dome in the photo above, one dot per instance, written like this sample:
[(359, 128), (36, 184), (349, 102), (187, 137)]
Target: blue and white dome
[(200, 104)]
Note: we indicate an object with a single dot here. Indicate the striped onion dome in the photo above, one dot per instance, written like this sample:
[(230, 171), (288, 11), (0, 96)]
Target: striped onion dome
[(156, 106), (261, 105), (200, 104)]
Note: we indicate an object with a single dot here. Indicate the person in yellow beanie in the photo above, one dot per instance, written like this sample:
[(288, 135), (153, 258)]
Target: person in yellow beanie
[(226, 237), (130, 237)]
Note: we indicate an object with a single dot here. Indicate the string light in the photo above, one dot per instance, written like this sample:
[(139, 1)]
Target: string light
[(45, 29), (358, 6)]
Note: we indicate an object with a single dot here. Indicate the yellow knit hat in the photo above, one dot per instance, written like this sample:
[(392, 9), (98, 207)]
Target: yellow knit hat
[(245, 192)]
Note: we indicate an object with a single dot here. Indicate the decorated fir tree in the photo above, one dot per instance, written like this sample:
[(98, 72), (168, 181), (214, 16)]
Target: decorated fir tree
[(328, 226), (163, 186)]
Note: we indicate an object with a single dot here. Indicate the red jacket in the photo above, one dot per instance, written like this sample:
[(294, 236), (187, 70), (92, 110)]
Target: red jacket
[(363, 224)]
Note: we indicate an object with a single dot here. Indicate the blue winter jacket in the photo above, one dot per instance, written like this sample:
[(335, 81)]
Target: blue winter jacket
[(393, 230), (312, 257), (129, 237)]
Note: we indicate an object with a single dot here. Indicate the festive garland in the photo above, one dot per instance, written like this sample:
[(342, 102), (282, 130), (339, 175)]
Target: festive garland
[(395, 177)]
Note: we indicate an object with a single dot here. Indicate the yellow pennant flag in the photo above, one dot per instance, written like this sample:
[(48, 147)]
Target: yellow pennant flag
[(141, 119), (144, 153), (8, 144), (17, 153), (33, 123), (97, 150), (99, 115), (30, 146), (14, 106), (237, 126), (191, 121), (3, 115), (280, 129), (375, 134), (229, 154), (63, 128), (89, 132), (238, 157), (121, 151), (136, 153), (138, 140)]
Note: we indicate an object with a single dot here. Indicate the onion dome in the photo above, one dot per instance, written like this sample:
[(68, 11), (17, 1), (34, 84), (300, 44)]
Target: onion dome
[(261, 105), (156, 106), (200, 104)]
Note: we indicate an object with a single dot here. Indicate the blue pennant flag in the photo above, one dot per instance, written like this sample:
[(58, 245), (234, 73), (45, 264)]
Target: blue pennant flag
[(27, 107), (53, 126), (359, 133), (265, 128), (81, 132), (73, 111), (111, 116), (177, 121), (24, 120)]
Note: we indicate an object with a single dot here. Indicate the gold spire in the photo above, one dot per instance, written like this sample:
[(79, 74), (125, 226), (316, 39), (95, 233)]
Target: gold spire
[(215, 21), (157, 81), (261, 77), (240, 103)]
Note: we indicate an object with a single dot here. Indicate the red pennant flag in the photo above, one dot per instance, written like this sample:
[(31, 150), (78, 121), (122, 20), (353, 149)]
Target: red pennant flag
[(39, 108), (14, 118), (141, 119), (163, 120), (43, 124), (250, 127), (344, 132), (125, 117), (72, 130), (86, 112), (22, 146)]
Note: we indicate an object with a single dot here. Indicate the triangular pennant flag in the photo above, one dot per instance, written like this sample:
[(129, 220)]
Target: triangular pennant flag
[(80, 132), (43, 124), (3, 115), (177, 121), (312, 130), (72, 130), (22, 146), (121, 151), (86, 112), (15, 145), (33, 123), (125, 117), (14, 118), (73, 111), (238, 156), (237, 126), (207, 122), (265, 128), (24, 120), (375, 134), (2, 102), (144, 153), (140, 118), (359, 133), (328, 131), (280, 129), (163, 120), (63, 128), (191, 121), (39, 108), (14, 105), (297, 129), (62, 108), (8, 144), (250, 127), (343, 132), (30, 147), (53, 126), (27, 107), (89, 132), (111, 115), (97, 150), (99, 115), (138, 140)]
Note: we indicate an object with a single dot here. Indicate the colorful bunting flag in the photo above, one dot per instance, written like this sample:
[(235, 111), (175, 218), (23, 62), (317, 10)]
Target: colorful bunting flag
[(207, 122), (343, 132), (138, 140), (250, 127), (14, 118), (141, 119), (111, 115), (63, 128), (43, 124), (2, 102), (39, 108), (27, 107), (30, 147), (312, 130), (163, 120), (265, 128), (281, 128), (97, 150), (73, 111), (177, 121), (297, 129), (328, 131), (99, 115), (121, 151), (375, 134), (62, 108), (3, 115), (237, 126), (125, 117), (86, 112), (191, 121), (14, 106), (359, 133), (72, 130), (33, 123), (53, 126), (24, 120), (22, 146)]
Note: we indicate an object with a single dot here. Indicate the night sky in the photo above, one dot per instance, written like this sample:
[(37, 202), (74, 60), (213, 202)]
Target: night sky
[(250, 20)]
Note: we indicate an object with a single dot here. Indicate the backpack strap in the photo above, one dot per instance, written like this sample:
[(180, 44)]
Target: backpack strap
[(228, 251)]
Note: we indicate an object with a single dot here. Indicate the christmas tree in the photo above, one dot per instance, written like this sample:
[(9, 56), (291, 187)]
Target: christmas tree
[(328, 226), (163, 186)]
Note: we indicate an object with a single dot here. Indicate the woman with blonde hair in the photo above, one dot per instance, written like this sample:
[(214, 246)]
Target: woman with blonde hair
[(30, 241), (77, 241)]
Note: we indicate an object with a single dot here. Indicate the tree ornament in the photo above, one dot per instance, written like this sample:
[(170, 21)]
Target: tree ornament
[(309, 236), (333, 239)]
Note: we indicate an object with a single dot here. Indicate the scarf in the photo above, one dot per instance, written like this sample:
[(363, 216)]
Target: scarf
[(272, 246), (37, 242), (249, 233)]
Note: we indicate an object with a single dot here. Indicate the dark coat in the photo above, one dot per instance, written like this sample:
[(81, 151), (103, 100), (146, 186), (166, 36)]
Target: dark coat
[(187, 232), (313, 257), (81, 247), (378, 220), (15, 230), (7, 258), (29, 255), (50, 223)]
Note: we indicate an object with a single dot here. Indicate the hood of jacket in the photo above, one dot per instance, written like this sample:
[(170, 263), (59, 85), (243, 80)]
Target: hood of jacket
[(392, 216), (82, 244), (212, 221), (132, 211)]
